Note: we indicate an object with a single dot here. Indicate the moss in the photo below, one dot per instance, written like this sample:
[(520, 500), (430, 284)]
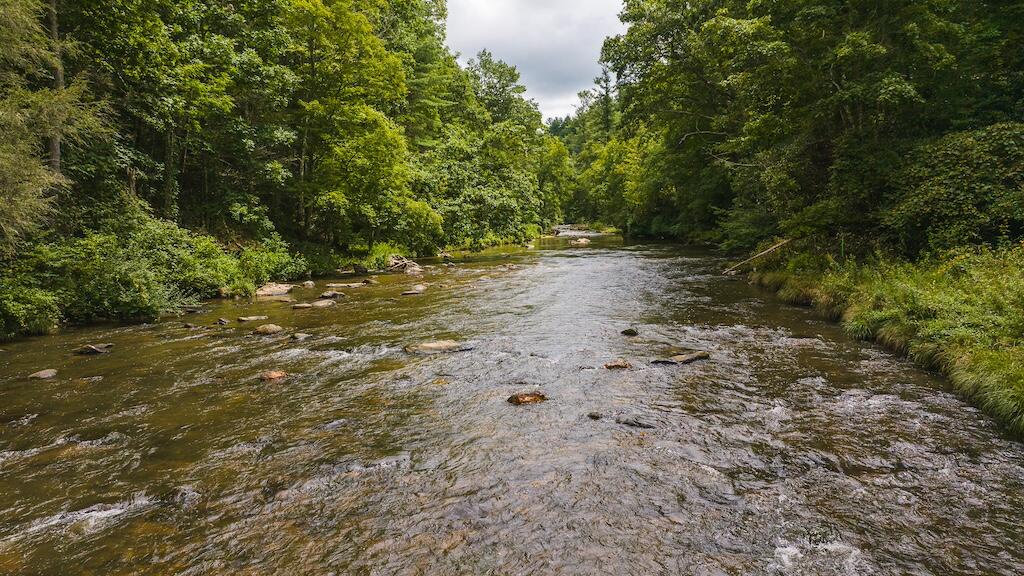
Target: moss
[(961, 313)]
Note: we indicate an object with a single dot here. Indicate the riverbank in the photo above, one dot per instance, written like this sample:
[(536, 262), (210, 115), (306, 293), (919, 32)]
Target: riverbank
[(961, 314)]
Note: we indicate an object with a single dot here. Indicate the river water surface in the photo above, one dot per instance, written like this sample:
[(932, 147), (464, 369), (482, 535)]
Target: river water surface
[(793, 450)]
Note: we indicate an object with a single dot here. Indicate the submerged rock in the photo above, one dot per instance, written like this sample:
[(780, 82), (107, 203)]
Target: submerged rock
[(580, 242), (632, 422), (631, 332), (43, 374), (527, 398), (415, 290), (274, 289), (684, 359), (268, 330), (618, 365), (351, 285), (273, 375), (332, 294), (94, 349), (300, 336), (91, 379), (324, 303), (302, 307), (439, 347), (253, 318)]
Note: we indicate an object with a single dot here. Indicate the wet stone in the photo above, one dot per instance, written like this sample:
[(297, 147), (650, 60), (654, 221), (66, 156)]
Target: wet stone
[(299, 337), (324, 303), (273, 375), (633, 422), (415, 290), (332, 294), (268, 330), (439, 347), (595, 416), (631, 332), (618, 365), (253, 318), (273, 289), (527, 398), (302, 307), (309, 284), (683, 359), (94, 349), (43, 375)]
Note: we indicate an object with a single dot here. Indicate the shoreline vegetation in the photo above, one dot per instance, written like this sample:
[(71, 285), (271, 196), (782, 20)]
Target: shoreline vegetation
[(960, 313)]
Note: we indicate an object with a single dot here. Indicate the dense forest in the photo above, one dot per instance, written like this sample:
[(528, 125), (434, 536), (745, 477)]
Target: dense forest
[(880, 143), (160, 151)]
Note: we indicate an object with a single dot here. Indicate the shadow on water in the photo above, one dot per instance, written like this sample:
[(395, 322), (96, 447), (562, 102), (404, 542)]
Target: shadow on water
[(793, 450)]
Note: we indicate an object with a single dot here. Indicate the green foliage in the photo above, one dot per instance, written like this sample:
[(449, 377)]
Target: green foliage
[(895, 123)]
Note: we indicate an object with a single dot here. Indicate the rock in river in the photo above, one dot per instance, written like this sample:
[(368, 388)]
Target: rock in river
[(356, 285), (273, 375), (309, 284), (94, 349), (684, 359), (43, 374), (618, 365), (252, 318), (274, 289), (631, 332), (300, 336), (332, 294), (439, 347), (324, 303), (415, 290), (580, 242), (302, 307), (527, 398), (632, 422), (268, 330)]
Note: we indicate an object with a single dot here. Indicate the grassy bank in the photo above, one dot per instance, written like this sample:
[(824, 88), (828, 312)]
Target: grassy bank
[(961, 313)]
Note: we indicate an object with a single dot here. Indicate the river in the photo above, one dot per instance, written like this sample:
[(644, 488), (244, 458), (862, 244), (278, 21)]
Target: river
[(792, 450)]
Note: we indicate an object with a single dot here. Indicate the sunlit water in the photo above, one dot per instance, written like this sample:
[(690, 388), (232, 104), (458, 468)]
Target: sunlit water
[(794, 450)]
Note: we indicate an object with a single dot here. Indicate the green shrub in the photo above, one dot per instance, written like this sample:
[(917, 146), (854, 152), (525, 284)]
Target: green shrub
[(26, 311)]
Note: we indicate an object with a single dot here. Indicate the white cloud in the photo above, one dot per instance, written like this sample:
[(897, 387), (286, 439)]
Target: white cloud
[(554, 43)]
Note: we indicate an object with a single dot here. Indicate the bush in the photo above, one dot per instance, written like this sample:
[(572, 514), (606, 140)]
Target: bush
[(26, 311)]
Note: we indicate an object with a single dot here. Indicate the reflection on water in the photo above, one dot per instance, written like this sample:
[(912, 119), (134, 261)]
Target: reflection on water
[(794, 450)]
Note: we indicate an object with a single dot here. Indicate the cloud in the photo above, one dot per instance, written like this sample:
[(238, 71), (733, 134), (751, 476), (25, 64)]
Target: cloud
[(554, 43)]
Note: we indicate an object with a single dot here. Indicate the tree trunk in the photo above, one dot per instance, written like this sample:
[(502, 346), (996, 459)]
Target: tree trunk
[(58, 83)]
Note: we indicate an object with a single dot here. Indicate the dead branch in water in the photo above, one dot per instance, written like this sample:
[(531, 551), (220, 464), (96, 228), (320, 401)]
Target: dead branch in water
[(733, 269)]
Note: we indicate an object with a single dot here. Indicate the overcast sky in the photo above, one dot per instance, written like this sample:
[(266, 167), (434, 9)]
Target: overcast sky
[(554, 43)]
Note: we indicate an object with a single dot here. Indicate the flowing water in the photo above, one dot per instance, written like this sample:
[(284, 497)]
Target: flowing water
[(793, 450)]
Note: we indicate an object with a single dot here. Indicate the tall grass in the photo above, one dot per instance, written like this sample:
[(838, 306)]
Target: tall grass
[(961, 313)]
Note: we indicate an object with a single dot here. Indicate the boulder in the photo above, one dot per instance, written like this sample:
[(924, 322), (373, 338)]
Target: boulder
[(94, 349), (331, 295), (274, 289), (268, 330), (527, 398), (252, 318), (439, 347), (302, 307), (309, 284), (323, 303), (43, 374), (631, 332), (618, 365), (273, 375)]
